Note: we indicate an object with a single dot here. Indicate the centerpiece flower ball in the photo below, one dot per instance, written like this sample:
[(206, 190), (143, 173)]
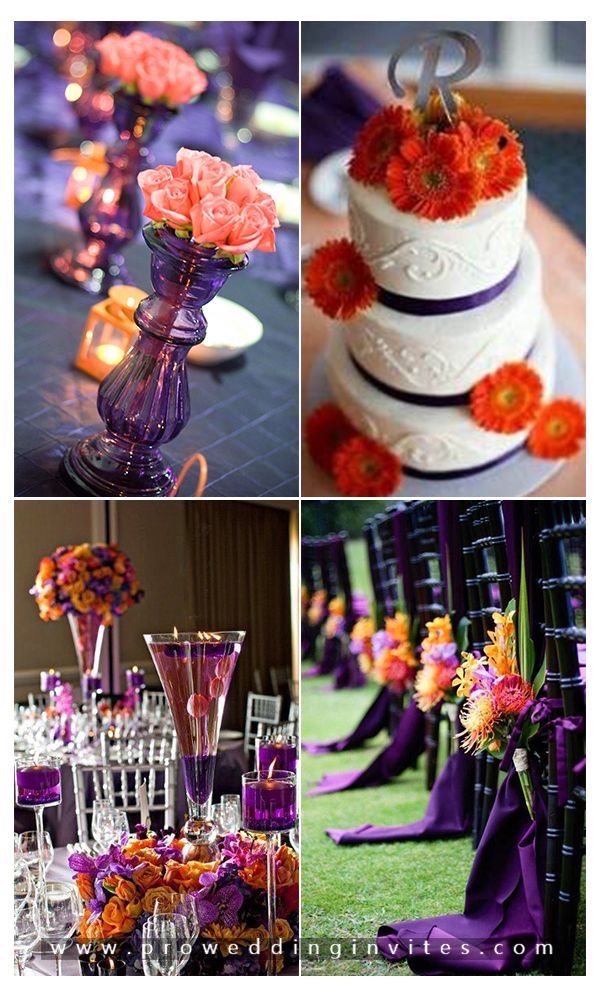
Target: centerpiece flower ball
[(160, 72), (87, 578), (204, 199)]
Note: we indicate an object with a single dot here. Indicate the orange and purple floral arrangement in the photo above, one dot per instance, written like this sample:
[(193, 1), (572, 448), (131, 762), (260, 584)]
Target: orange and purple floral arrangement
[(149, 874), (439, 662), (87, 578), (394, 660)]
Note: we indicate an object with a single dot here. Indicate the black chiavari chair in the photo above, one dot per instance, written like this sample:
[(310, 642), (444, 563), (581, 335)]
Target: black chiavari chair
[(562, 549), (430, 600), (489, 589)]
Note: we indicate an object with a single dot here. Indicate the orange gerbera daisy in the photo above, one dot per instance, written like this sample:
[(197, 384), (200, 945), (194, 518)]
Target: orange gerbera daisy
[(364, 468), (327, 429), (339, 281), (433, 178), (494, 153), (509, 399), (558, 430), (378, 140)]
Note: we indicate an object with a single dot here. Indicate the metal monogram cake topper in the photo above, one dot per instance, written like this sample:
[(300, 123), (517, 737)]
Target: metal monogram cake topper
[(431, 44)]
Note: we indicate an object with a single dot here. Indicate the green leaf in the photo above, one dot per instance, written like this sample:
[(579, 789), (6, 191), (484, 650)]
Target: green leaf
[(539, 679), (462, 635), (511, 606), (525, 647), (414, 631)]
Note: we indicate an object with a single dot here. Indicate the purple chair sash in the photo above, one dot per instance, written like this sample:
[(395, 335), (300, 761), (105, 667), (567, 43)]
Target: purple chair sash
[(449, 810), (403, 751), (372, 722), (503, 901), (347, 673)]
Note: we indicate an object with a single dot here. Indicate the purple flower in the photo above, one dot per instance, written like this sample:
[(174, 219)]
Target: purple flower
[(360, 605), (82, 863), (380, 641), (222, 906)]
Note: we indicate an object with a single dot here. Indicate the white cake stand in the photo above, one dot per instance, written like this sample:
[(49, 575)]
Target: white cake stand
[(518, 476)]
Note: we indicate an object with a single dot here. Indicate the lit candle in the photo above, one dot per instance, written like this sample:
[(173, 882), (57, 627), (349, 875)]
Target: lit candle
[(38, 785), (269, 800), (90, 686), (276, 751), (49, 680), (136, 678)]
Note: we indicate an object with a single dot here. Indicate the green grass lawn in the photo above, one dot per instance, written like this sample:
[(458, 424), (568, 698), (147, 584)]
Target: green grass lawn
[(348, 892)]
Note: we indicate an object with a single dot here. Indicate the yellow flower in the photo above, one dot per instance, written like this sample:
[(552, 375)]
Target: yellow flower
[(502, 652), (398, 627), (464, 680), (363, 629), (239, 934), (283, 931), (438, 631), (427, 689), (336, 606), (479, 717)]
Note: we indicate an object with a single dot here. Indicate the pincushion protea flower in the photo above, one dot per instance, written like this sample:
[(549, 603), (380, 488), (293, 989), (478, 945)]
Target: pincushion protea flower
[(507, 400), (558, 431), (339, 281)]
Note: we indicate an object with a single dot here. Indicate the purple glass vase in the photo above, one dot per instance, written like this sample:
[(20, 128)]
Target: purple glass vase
[(113, 216), (195, 670), (144, 401)]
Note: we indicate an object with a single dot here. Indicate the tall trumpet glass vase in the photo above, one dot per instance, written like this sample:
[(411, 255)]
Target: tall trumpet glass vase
[(195, 670), (144, 402), (112, 217), (88, 635)]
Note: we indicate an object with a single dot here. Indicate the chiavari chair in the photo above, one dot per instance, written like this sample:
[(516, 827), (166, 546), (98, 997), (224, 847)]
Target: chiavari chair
[(260, 708), (425, 558), (562, 549)]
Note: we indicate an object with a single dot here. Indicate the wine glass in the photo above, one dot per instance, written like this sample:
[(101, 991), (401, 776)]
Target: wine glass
[(108, 823), (27, 929), (60, 915), (187, 908), (232, 812), (28, 843), (24, 884), (159, 948)]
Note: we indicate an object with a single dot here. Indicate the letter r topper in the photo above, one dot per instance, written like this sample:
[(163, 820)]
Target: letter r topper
[(431, 44)]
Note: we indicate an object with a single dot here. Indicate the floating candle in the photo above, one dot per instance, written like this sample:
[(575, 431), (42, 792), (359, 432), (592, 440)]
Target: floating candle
[(280, 753), (38, 785), (269, 801)]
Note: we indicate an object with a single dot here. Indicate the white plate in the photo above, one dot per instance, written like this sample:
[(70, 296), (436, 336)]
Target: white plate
[(328, 183), (231, 330)]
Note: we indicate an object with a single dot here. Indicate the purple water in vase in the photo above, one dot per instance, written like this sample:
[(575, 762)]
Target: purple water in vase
[(38, 785), (87, 631), (269, 801), (199, 776), (144, 402), (195, 670), (280, 753), (112, 217)]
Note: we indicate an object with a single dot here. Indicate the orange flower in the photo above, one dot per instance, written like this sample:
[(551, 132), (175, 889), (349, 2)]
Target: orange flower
[(439, 630), (160, 897), (339, 281), (558, 430), (511, 693), (115, 918), (364, 468), (494, 153), (186, 876), (146, 875), (287, 866), (509, 399), (502, 652), (479, 716), (94, 931), (428, 692), (126, 890), (398, 627), (432, 177), (378, 140), (85, 884), (326, 429), (255, 874)]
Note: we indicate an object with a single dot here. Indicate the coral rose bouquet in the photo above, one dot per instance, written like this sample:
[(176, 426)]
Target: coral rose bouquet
[(500, 689), (204, 199), (158, 72)]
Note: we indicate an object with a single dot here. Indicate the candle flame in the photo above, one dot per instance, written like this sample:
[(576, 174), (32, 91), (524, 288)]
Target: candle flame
[(175, 632), (271, 769)]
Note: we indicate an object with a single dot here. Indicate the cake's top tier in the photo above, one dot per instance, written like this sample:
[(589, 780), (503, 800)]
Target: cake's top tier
[(437, 200), (421, 259)]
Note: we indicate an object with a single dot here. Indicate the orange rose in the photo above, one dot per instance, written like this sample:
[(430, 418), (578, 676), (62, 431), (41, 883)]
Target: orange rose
[(85, 884), (126, 890), (255, 874), (149, 855), (135, 846), (110, 883), (134, 909), (115, 918), (163, 896), (186, 876), (146, 875), (287, 866)]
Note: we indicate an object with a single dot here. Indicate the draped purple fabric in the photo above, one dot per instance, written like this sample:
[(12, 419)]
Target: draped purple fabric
[(403, 751), (333, 113), (347, 673), (331, 653), (503, 901), (372, 722), (449, 811)]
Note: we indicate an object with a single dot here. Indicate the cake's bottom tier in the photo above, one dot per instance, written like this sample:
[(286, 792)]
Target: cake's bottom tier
[(429, 441)]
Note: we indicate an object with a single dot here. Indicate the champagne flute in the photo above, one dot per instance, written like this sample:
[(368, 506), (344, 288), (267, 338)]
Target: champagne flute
[(60, 915)]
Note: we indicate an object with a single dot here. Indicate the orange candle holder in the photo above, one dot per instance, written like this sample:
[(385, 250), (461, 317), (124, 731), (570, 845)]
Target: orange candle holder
[(109, 331)]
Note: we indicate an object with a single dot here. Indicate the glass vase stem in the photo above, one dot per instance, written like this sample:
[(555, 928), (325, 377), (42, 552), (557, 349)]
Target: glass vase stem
[(273, 841), (39, 829)]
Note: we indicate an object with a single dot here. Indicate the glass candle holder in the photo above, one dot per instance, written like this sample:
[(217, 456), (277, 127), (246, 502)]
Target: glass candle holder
[(279, 751), (38, 785), (269, 807), (109, 331), (136, 678), (49, 681)]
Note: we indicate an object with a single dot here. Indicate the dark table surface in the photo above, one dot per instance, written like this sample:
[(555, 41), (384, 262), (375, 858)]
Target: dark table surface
[(244, 414)]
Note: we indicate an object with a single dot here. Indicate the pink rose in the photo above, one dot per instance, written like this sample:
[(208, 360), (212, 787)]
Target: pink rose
[(189, 163), (152, 74), (172, 202), (109, 48), (268, 206), (185, 81), (160, 71), (253, 230), (212, 219), (150, 181)]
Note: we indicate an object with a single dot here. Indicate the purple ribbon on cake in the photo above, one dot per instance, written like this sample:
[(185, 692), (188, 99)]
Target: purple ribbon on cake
[(442, 307)]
